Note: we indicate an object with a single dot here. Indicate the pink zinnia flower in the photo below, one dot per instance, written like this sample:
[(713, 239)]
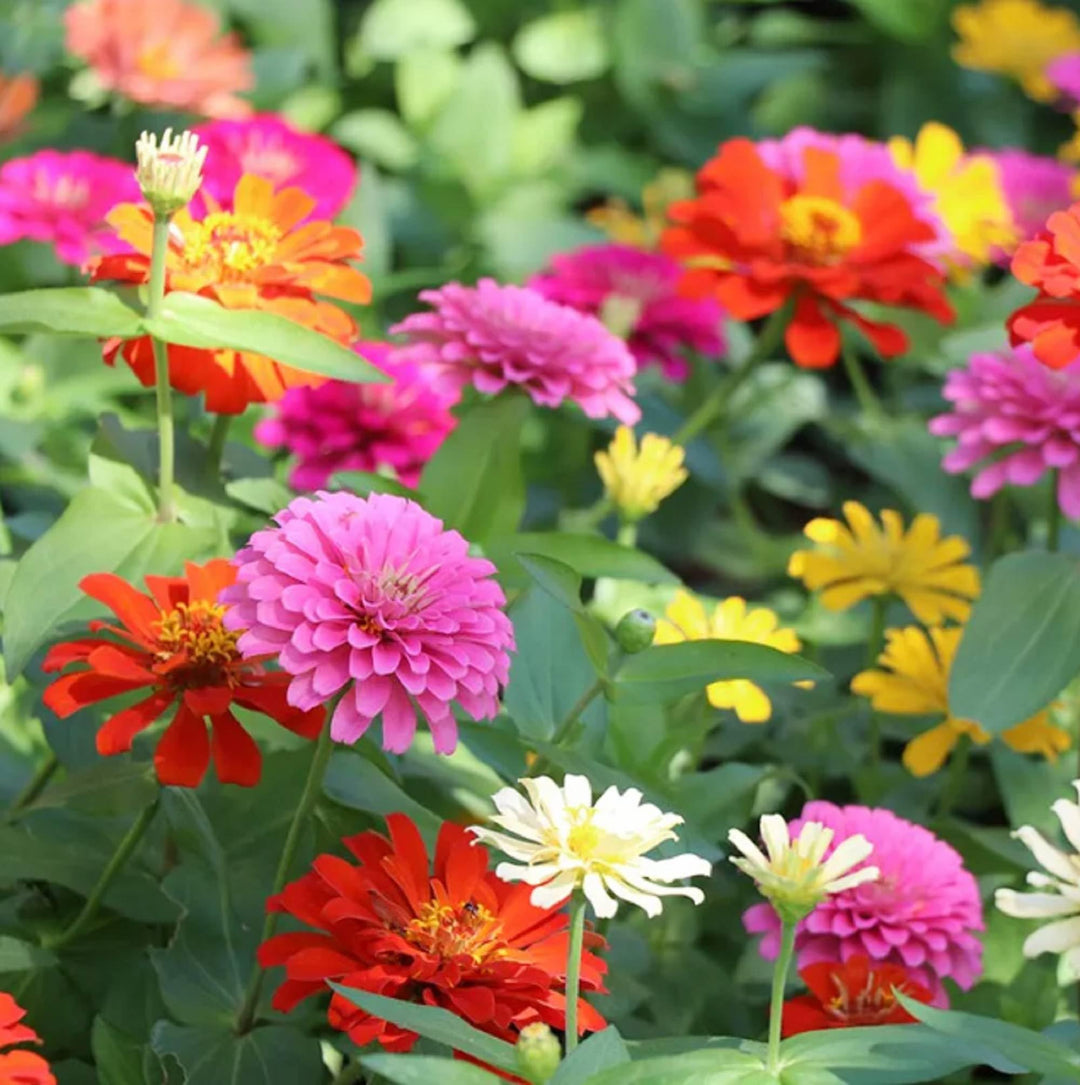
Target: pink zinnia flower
[(492, 336), (639, 290), (1019, 415), (1035, 187), (270, 147), (62, 198), (342, 426), (1064, 74), (373, 598), (920, 914)]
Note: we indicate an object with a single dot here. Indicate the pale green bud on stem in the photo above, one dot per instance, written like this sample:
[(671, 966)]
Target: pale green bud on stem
[(538, 1053)]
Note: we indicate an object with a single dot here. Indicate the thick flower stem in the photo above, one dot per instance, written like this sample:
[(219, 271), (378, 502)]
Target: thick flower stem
[(35, 786), (954, 781), (312, 786), (1053, 514), (216, 448), (571, 717), (166, 440), (573, 967), (873, 650), (776, 1002), (864, 393)]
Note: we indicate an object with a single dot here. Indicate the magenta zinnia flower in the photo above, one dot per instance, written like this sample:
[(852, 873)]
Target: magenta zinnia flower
[(343, 426), (1064, 74), (1035, 186), (492, 336), (639, 289), (1021, 417), (372, 597), (62, 198), (920, 914), (270, 147)]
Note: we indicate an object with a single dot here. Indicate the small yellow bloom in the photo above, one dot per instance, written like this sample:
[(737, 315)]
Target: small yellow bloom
[(966, 191), (854, 561), (686, 619), (625, 226), (637, 480), (913, 680), (1017, 38)]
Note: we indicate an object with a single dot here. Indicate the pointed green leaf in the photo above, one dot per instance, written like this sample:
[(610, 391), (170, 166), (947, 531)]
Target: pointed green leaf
[(598, 1052), (427, 1070), (93, 311), (588, 555), (270, 1055)]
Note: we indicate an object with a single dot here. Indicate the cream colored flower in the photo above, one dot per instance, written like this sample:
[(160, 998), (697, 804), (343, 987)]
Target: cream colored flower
[(567, 842), (169, 173)]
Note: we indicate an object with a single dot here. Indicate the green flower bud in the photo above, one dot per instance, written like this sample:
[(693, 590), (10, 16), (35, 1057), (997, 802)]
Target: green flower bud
[(635, 631), (538, 1053)]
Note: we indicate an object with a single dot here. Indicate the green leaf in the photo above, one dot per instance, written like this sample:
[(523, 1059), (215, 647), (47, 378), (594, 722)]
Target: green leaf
[(269, 1055), (19, 956), (544, 135), (563, 47), (72, 310), (394, 28), (377, 134), (913, 20), (118, 1058), (999, 680), (109, 784), (598, 1052), (427, 1070), (589, 555), (195, 321), (712, 1066), (423, 80), (556, 578), (262, 494)]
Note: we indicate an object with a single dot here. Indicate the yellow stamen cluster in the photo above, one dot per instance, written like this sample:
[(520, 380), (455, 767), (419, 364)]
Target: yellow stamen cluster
[(447, 931), (638, 479), (819, 230), (195, 631), (228, 247)]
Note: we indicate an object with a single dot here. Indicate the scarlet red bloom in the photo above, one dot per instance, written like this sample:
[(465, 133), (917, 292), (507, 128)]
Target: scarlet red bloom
[(857, 992), (755, 237), (173, 642), (19, 1067), (456, 937), (259, 255)]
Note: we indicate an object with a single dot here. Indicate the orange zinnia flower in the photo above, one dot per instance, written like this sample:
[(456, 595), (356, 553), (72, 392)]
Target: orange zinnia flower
[(173, 642), (256, 256), (754, 238), (19, 1067), (162, 53), (18, 95)]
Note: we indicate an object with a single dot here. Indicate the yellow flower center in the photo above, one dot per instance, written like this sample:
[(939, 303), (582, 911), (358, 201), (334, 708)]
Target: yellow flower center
[(872, 1001), (584, 838), (158, 62), (229, 247), (820, 230), (194, 632), (448, 932)]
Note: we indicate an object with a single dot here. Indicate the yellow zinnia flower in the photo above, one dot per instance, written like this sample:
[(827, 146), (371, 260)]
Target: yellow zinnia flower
[(638, 479), (1018, 38), (967, 191), (913, 680), (686, 619), (855, 561)]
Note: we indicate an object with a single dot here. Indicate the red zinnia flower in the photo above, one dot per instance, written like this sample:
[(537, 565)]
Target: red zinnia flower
[(19, 1067), (458, 937), (857, 992), (755, 237), (173, 641)]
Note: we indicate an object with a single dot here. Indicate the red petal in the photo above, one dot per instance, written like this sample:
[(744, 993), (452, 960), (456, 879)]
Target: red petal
[(812, 339), (409, 863), (111, 661), (269, 696), (183, 753), (136, 610), (804, 1014), (236, 755), (71, 692), (117, 732)]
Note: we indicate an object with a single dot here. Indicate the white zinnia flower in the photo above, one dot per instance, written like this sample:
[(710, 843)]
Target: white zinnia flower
[(1061, 885), (795, 875), (169, 173), (566, 841)]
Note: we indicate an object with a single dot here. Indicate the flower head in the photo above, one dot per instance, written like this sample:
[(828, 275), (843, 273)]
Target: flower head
[(19, 1067), (623, 226), (1063, 75), (1057, 891), (18, 96), (921, 912), (169, 54), (256, 256), (687, 619), (638, 479), (269, 147), (62, 198), (1035, 187), (850, 994), (635, 293), (858, 560), (170, 174), (567, 843), (1017, 38), (173, 643), (495, 337), (373, 598), (912, 679), (455, 936), (759, 236)]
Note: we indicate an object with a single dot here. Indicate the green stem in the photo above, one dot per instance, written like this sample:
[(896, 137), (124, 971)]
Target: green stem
[(954, 782), (573, 967), (123, 852), (36, 785), (312, 786), (166, 439), (627, 534), (574, 714), (868, 401), (776, 1002), (873, 650), (1053, 514), (216, 448)]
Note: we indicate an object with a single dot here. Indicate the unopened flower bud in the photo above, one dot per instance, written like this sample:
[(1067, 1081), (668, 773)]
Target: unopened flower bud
[(169, 173), (635, 631), (538, 1053)]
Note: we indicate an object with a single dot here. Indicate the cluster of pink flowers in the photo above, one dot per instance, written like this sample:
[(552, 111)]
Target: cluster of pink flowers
[(1035, 187)]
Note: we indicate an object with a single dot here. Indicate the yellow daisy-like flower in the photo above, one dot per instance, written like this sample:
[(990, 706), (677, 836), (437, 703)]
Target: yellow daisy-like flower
[(967, 191), (686, 619), (857, 560), (913, 680), (622, 224), (638, 479), (1017, 38)]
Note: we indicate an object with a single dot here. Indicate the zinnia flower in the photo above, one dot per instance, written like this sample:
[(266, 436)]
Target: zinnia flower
[(455, 936), (1019, 419), (169, 175), (756, 237), (1035, 186), (567, 843), (638, 479), (1057, 892), (913, 680), (686, 619), (494, 337), (256, 256), (169, 54), (1064, 75), (172, 642), (1017, 38), (269, 147), (373, 597), (344, 426), (18, 96), (921, 913), (635, 294), (858, 560), (850, 994), (62, 198), (625, 227), (19, 1067)]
